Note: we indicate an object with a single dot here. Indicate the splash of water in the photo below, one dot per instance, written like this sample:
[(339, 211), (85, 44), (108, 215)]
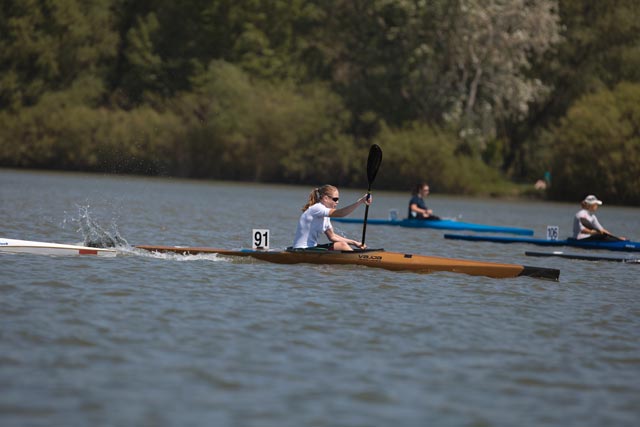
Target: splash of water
[(95, 235)]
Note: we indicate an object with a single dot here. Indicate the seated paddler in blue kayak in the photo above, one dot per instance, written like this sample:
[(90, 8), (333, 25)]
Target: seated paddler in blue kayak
[(586, 225), (314, 221), (417, 207)]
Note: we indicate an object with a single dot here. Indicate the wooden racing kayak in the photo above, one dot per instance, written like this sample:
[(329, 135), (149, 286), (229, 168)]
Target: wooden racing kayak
[(377, 258), (55, 249)]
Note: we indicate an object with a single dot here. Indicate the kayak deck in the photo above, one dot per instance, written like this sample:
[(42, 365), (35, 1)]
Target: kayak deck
[(376, 258), (55, 249)]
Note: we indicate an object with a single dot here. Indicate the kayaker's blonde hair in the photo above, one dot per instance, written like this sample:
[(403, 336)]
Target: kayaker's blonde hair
[(317, 193)]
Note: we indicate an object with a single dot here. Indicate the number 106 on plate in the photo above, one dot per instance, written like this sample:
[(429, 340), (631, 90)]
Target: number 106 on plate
[(260, 238)]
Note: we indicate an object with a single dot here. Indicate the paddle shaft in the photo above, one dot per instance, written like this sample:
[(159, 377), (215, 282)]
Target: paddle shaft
[(373, 164), (611, 236), (600, 232), (366, 215), (618, 238)]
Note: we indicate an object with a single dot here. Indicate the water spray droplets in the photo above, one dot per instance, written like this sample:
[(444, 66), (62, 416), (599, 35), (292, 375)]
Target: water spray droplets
[(96, 236)]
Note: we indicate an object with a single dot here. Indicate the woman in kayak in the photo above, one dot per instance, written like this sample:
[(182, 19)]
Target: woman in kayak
[(314, 221), (417, 207), (586, 225)]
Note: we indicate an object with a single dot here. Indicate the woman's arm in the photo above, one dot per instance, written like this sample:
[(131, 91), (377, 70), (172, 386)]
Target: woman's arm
[(591, 226), (594, 227), (352, 207), (424, 212), (333, 237)]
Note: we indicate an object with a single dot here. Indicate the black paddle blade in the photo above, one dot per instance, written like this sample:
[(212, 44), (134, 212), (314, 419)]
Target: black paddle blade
[(373, 162), (541, 273)]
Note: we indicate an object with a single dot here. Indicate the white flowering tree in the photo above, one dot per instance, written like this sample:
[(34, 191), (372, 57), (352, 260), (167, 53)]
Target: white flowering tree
[(478, 70)]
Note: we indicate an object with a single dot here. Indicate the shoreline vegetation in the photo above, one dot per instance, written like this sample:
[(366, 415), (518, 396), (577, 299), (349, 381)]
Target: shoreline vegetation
[(505, 190), (477, 98)]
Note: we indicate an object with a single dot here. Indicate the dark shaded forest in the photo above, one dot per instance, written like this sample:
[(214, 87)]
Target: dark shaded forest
[(474, 96)]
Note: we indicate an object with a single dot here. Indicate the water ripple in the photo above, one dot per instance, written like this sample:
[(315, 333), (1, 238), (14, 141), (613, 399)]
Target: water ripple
[(148, 339)]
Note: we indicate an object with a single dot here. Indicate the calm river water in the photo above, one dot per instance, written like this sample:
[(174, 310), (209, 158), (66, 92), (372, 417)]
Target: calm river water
[(148, 340)]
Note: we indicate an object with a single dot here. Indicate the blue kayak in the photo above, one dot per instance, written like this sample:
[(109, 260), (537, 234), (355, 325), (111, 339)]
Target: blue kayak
[(586, 257), (440, 224), (622, 245)]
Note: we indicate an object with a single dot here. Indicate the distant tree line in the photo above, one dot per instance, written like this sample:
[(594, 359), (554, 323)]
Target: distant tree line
[(467, 94)]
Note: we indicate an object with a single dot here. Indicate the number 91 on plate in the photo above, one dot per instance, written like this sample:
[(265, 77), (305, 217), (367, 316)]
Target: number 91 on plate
[(260, 238)]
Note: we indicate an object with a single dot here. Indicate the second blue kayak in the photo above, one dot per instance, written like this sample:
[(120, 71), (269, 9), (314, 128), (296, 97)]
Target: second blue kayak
[(623, 245), (440, 224)]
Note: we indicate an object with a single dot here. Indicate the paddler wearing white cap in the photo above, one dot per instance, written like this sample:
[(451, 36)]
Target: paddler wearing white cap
[(586, 225)]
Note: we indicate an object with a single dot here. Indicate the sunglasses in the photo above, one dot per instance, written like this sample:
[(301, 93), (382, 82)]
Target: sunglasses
[(335, 199)]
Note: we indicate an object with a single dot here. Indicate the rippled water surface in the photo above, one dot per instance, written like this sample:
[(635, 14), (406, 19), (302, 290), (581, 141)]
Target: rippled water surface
[(151, 340)]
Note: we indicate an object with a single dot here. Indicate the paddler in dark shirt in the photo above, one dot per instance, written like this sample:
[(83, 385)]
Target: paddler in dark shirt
[(417, 207)]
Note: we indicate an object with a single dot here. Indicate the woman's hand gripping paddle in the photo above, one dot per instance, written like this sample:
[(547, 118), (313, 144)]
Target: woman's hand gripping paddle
[(373, 164)]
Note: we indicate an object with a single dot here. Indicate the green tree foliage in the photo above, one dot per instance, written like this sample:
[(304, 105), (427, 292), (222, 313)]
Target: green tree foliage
[(464, 63), (48, 45), (242, 129), (598, 147), (146, 74), (488, 52), (599, 49), (418, 152), (296, 91), (62, 134), (364, 45), (166, 43)]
